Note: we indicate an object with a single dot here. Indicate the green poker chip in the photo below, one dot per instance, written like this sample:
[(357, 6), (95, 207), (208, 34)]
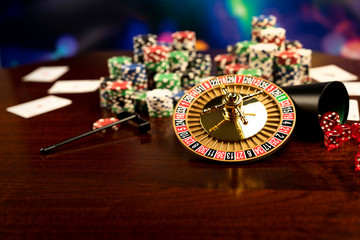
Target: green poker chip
[(169, 81), (115, 64), (254, 72)]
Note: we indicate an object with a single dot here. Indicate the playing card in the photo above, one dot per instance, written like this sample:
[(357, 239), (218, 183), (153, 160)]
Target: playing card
[(353, 110), (331, 73), (39, 106), (353, 88), (74, 86), (46, 74)]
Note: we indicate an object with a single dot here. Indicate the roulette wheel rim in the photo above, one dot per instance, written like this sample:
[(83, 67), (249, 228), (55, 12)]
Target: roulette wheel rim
[(195, 137)]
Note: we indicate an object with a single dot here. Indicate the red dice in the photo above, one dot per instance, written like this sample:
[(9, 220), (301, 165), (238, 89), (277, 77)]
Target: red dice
[(355, 131), (329, 120), (357, 162), (332, 139), (345, 132)]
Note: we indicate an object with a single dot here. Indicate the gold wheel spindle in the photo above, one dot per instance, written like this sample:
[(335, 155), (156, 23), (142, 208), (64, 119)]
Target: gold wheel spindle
[(239, 129), (217, 125), (223, 88), (208, 110), (242, 116), (248, 97)]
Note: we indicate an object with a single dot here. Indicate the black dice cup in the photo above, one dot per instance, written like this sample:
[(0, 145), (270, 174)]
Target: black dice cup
[(312, 100)]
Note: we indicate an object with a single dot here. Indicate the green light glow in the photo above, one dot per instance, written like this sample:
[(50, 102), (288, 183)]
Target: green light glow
[(241, 12)]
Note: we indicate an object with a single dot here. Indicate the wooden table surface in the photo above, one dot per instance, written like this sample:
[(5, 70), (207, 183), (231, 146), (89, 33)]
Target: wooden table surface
[(128, 186)]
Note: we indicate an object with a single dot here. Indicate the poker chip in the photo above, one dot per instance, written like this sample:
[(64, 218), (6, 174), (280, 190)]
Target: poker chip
[(115, 65), (177, 67), (241, 51), (156, 53), (287, 75), (157, 67), (169, 81), (190, 78), (305, 65), (139, 99), (221, 60), (250, 72), (123, 104), (262, 57), (185, 40), (160, 103), (136, 74), (287, 58), (274, 35), (261, 22), (292, 44), (178, 60), (176, 97), (204, 79), (287, 68), (234, 68), (201, 64), (140, 42), (104, 94), (119, 94), (102, 122)]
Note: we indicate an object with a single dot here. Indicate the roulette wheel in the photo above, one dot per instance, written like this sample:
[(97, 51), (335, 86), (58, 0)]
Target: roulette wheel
[(234, 118)]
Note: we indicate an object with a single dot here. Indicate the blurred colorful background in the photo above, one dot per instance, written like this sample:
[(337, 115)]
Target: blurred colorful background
[(41, 30)]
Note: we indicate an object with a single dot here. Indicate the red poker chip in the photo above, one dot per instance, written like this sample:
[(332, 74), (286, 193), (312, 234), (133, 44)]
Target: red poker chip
[(287, 58), (102, 122), (233, 68), (120, 85), (156, 53), (182, 35), (224, 59)]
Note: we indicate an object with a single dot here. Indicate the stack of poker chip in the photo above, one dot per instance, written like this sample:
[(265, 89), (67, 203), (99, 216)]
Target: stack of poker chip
[(305, 65), (115, 64), (165, 44), (160, 103), (185, 40), (169, 81), (234, 68), (250, 72), (261, 22), (201, 64), (105, 99), (176, 97), (139, 98), (120, 93), (178, 60), (221, 60), (204, 79), (274, 35), (262, 57), (156, 59), (292, 44), (135, 73), (241, 51), (189, 79), (140, 42), (287, 68)]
